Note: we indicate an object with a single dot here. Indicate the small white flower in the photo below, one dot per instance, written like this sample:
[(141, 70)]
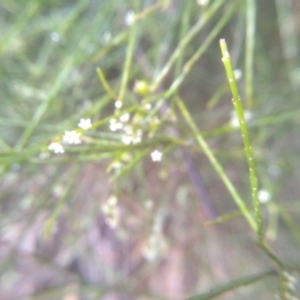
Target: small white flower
[(118, 104), (72, 137), (111, 212), (125, 118), (202, 2), (114, 125), (148, 106), (264, 196), (116, 165), (238, 74), (130, 18), (156, 155), (131, 136), (127, 139), (55, 37), (85, 124), (56, 148)]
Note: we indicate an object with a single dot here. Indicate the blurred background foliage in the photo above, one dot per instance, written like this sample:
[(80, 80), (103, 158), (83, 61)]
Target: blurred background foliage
[(161, 246)]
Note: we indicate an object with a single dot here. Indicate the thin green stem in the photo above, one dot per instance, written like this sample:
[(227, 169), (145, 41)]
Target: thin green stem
[(217, 166), (262, 245), (183, 31), (185, 41), (116, 41), (190, 63), (237, 103), (128, 60), (232, 285), (106, 85), (41, 110)]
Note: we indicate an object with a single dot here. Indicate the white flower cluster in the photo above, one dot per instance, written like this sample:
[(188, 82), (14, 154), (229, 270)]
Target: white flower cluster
[(130, 135), (111, 212), (70, 137), (118, 124), (85, 124), (131, 132)]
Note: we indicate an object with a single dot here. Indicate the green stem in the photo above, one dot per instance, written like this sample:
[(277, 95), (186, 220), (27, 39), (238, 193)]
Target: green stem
[(237, 103), (128, 60), (217, 291), (106, 85), (240, 203), (190, 63), (185, 41)]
